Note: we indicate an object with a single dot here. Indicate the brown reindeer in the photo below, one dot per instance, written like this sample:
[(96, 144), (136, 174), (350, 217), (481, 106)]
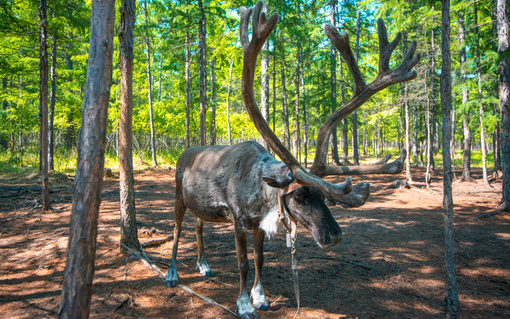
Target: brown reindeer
[(243, 184)]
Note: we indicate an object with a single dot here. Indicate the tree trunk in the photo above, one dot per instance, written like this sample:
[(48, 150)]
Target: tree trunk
[(213, 107), (452, 140), (297, 132), (285, 111), (407, 124), (345, 125), (305, 115), (334, 139), (466, 162), (355, 133), (452, 299), (149, 86), (497, 129), (504, 99), (480, 96), (203, 74), (81, 249), (264, 88), (429, 137), (274, 85), (160, 75), (128, 227), (415, 146), (43, 68), (228, 101), (53, 92), (188, 102)]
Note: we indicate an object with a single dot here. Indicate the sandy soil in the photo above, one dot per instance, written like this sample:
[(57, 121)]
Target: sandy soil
[(389, 264)]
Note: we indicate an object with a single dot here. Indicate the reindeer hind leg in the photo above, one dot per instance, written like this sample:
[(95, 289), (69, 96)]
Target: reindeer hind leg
[(180, 208), (202, 265)]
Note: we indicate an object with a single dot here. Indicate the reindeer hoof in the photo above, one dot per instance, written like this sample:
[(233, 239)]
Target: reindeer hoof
[(262, 306), (209, 274), (171, 278), (249, 315)]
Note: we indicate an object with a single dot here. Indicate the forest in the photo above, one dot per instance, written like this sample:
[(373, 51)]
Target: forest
[(176, 81)]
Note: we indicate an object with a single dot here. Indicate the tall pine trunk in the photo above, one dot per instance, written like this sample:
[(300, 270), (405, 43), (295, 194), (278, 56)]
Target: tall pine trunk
[(203, 74), (149, 86), (355, 133), (186, 71), (264, 88), (81, 249), (128, 227), (212, 97), (334, 138), (504, 99), (480, 96), (53, 93), (452, 298), (407, 124), (466, 161), (43, 102), (228, 101)]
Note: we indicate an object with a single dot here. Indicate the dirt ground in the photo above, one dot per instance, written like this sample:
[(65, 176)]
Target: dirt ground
[(389, 263)]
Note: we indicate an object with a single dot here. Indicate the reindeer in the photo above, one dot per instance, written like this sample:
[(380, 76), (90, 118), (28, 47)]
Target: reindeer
[(244, 185)]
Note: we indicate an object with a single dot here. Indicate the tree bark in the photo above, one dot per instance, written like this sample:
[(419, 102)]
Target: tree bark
[(188, 102), (297, 132), (305, 114), (81, 250), (128, 227), (452, 299), (407, 124), (228, 101), (213, 107), (43, 96), (264, 88), (53, 92), (466, 162), (334, 138), (355, 133), (285, 111), (497, 129), (203, 74), (149, 86), (504, 99), (480, 96)]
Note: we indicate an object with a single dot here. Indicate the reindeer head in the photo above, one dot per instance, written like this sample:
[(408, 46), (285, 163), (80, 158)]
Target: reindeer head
[(345, 194)]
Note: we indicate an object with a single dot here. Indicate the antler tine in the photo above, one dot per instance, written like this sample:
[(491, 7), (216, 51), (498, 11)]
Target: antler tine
[(342, 44), (385, 48), (245, 22)]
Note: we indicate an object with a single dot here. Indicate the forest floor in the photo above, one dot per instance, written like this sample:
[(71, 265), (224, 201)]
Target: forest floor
[(390, 263)]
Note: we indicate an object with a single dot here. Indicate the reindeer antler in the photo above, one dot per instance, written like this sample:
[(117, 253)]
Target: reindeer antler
[(261, 28), (362, 91)]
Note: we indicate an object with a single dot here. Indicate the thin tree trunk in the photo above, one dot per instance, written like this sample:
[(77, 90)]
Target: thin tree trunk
[(334, 139), (203, 74), (305, 115), (43, 67), (160, 75), (128, 227), (53, 92), (466, 162), (213, 107), (274, 85), (264, 88), (228, 101), (452, 140), (452, 299), (480, 96), (407, 124), (429, 139), (297, 132), (81, 249), (285, 111), (345, 125), (415, 130), (497, 129), (355, 133), (188, 102), (504, 99), (149, 86)]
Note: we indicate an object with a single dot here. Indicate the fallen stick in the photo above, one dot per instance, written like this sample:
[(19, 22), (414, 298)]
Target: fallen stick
[(156, 242), (162, 276), (341, 260)]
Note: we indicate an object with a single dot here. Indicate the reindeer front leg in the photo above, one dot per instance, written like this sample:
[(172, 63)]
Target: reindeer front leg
[(257, 292), (244, 306)]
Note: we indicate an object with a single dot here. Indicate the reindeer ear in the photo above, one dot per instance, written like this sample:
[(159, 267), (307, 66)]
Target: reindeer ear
[(280, 181)]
